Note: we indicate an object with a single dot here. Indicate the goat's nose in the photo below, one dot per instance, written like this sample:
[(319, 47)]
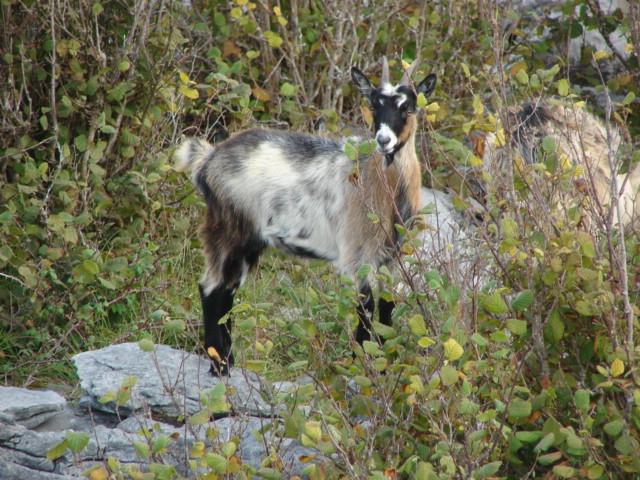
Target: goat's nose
[(383, 140)]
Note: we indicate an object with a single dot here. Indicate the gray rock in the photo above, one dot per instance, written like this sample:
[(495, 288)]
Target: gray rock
[(79, 420), (169, 381), (15, 471), (29, 407)]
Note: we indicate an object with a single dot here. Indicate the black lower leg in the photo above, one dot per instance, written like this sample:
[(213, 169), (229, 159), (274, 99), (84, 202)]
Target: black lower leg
[(385, 309), (214, 306), (365, 309)]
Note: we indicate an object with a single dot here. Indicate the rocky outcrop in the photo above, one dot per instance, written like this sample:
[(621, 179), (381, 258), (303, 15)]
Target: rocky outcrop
[(168, 386), (29, 408), (168, 381)]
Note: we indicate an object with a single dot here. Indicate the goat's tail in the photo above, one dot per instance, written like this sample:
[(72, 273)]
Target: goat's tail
[(191, 156)]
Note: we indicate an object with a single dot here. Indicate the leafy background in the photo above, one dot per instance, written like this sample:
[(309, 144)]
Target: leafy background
[(533, 374)]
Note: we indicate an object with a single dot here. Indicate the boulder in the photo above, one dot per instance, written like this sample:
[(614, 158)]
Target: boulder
[(169, 381), (29, 408)]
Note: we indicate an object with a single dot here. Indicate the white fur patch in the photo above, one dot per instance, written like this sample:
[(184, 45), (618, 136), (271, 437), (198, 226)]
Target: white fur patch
[(402, 99), (385, 131), (388, 89)]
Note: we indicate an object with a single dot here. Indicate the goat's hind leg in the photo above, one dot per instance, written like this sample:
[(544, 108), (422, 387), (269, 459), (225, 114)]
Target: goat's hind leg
[(365, 309), (216, 303)]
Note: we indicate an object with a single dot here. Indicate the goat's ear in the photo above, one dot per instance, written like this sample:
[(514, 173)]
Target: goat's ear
[(427, 86), (361, 81)]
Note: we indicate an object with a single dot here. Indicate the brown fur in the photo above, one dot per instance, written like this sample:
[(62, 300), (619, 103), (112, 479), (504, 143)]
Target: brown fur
[(379, 189)]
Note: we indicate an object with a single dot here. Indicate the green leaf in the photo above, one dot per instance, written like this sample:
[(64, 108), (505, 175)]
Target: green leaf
[(614, 427), (548, 144), (522, 77), (629, 98), (288, 90), (385, 331), (479, 340), (517, 327), (549, 458), (363, 381), (595, 471), (269, 473), (529, 436), (626, 445), (273, 39), (160, 444), (522, 301), (200, 418), (350, 151), (494, 304), (76, 441), (563, 87), (58, 450), (519, 408), (142, 449), (546, 442), (487, 470), (449, 375), (582, 400), (372, 348), (564, 471), (146, 345), (417, 325), (216, 462), (97, 8), (422, 100)]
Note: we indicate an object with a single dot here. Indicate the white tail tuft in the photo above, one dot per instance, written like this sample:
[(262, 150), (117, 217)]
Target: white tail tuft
[(190, 155)]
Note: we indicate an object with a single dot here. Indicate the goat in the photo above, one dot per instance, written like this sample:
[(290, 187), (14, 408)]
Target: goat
[(298, 193), (579, 138)]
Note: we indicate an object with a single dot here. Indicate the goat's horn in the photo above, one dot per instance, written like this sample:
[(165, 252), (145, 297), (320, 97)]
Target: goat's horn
[(406, 78), (385, 71)]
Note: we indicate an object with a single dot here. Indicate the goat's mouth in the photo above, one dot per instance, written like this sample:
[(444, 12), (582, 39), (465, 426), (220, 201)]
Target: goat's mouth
[(386, 149)]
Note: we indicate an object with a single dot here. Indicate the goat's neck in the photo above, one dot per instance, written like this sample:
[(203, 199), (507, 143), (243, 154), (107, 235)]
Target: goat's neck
[(405, 172)]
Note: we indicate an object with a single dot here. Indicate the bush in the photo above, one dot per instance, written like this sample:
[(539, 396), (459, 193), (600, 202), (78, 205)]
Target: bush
[(532, 373)]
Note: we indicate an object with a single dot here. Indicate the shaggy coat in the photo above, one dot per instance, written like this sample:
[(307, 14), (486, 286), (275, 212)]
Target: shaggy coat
[(301, 194), (579, 138)]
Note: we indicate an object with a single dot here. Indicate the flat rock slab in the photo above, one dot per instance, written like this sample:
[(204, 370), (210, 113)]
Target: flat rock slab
[(29, 408), (169, 381)]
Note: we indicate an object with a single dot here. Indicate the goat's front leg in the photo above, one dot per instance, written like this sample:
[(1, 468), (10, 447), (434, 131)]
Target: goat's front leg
[(385, 309), (366, 307), (215, 305)]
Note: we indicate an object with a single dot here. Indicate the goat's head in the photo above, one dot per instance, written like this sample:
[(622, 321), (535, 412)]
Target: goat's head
[(394, 106)]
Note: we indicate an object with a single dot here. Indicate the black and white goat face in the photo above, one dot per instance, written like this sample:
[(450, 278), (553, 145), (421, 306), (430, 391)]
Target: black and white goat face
[(394, 106)]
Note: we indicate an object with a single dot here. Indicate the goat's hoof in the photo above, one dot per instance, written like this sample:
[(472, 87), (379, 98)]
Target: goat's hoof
[(221, 368)]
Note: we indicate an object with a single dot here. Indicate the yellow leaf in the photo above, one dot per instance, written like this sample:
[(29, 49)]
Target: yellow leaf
[(197, 451), (191, 93), (416, 384), (312, 430), (475, 161), (184, 78), (433, 107), (617, 367), (261, 94), (431, 118), (500, 140), (405, 64), (277, 11), (367, 115), (425, 342), (628, 48), (601, 54), (452, 349), (99, 474), (478, 107), (213, 353)]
